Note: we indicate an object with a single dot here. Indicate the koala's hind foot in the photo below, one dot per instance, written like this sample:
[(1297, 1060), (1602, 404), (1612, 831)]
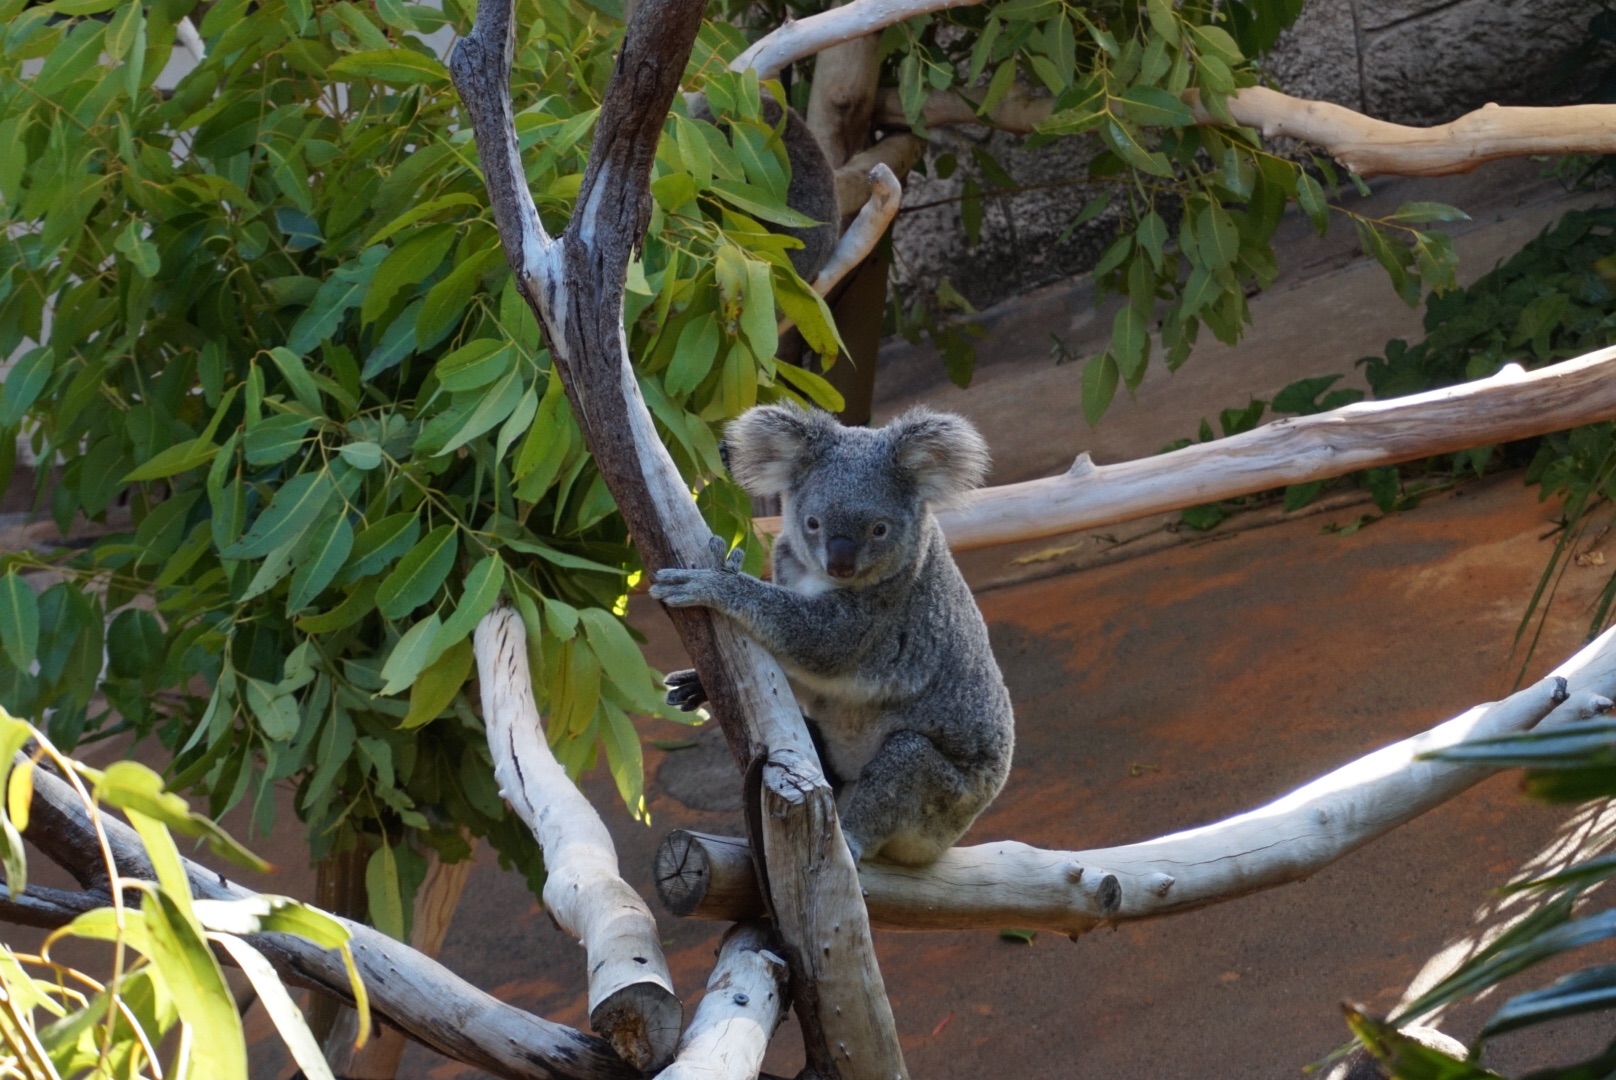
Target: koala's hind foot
[(685, 691), (911, 801)]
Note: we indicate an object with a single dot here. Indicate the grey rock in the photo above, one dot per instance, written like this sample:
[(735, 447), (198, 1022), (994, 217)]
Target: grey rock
[(703, 776)]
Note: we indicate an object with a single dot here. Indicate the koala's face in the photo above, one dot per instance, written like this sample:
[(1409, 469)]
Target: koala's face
[(855, 499), (852, 514)]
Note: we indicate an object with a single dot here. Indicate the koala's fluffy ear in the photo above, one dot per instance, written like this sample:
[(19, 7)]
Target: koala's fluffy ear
[(943, 454), (770, 443)]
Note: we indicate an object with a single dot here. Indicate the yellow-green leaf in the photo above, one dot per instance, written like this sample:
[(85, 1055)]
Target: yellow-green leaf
[(192, 977), (399, 66), (386, 897), (436, 687)]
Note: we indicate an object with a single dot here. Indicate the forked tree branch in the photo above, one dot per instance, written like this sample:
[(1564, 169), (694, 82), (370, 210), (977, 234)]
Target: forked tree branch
[(419, 996), (576, 290), (631, 999), (1012, 884), (1513, 404), (1367, 146)]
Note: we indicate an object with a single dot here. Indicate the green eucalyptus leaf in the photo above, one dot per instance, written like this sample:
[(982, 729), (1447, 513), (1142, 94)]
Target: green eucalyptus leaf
[(477, 598), (19, 620), (435, 689), (400, 67), (329, 546), (295, 507), (412, 653), (419, 574)]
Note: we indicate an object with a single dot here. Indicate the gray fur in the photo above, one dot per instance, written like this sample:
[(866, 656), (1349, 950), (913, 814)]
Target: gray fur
[(892, 662), (811, 190)]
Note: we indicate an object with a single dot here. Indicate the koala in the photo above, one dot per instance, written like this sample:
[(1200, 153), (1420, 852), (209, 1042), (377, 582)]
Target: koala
[(811, 190), (881, 639)]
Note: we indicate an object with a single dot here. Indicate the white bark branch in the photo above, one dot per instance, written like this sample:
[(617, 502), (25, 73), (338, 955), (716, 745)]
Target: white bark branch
[(842, 97), (1372, 147), (865, 232), (1367, 146), (1012, 884), (1512, 404), (802, 38), (744, 1004), (631, 999), (899, 152)]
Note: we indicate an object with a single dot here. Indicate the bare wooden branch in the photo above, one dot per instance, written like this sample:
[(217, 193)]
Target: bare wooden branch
[(744, 1004), (631, 999), (989, 886), (1372, 147), (865, 232), (687, 879), (1018, 112), (842, 97), (425, 1000), (1513, 404), (899, 152), (799, 39), (435, 903), (578, 298)]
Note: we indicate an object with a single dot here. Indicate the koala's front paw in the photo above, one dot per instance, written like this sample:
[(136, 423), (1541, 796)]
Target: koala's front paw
[(687, 588), (685, 691), (729, 563)]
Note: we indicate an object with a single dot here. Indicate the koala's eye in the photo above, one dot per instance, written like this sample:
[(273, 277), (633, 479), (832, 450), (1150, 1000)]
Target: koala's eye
[(879, 530), (812, 523)]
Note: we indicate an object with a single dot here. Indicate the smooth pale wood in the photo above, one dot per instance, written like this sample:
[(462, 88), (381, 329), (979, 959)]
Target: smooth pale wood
[(744, 1004), (631, 999), (842, 97), (1372, 147), (990, 886), (868, 227), (799, 39), (899, 152), (435, 903), (1513, 404), (425, 1000), (574, 284)]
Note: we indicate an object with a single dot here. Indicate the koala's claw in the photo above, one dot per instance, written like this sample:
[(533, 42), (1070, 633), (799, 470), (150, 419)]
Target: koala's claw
[(728, 561), (684, 588), (685, 691)]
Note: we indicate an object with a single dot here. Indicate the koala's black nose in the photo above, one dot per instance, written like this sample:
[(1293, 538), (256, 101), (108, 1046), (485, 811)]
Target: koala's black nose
[(841, 556)]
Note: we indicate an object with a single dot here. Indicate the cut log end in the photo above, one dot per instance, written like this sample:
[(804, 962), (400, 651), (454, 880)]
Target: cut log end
[(642, 1022), (681, 872), (706, 877)]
